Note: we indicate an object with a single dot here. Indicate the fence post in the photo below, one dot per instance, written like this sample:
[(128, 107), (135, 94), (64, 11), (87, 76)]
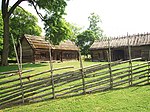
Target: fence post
[(109, 64), (51, 71), (130, 61), (19, 66), (148, 67), (82, 71)]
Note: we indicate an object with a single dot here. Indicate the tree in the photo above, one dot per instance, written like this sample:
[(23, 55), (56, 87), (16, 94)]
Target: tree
[(94, 22), (85, 40), (75, 31), (57, 28), (22, 22), (51, 7), (1, 33)]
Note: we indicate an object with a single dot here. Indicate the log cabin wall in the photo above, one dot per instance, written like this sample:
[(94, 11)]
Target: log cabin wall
[(69, 55), (36, 49), (41, 55), (139, 44), (64, 55), (27, 52)]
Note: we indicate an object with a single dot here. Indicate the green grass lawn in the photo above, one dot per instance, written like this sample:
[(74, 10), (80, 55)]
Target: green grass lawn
[(45, 66), (134, 99)]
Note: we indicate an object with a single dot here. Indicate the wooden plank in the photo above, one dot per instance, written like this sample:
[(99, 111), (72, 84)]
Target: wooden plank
[(104, 88), (140, 76), (148, 78), (130, 62), (69, 88), (24, 83), (51, 72), (13, 74), (97, 74), (139, 82), (82, 72), (118, 83), (99, 83), (109, 64)]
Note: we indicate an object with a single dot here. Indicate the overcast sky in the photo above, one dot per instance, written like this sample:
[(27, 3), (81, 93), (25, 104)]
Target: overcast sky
[(118, 16)]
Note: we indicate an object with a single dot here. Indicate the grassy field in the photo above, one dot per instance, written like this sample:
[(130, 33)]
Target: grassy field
[(134, 99), (45, 66)]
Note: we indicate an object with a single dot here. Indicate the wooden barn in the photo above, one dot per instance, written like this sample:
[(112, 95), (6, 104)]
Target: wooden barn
[(36, 49), (139, 44)]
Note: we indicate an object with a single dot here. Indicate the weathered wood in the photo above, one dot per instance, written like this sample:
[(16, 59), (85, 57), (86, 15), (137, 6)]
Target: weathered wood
[(66, 82), (97, 74), (19, 67), (109, 64), (72, 79), (98, 83), (120, 68), (148, 79), (139, 82), (40, 96), (121, 82), (51, 71), (71, 91), (120, 73), (130, 62), (24, 83), (11, 90), (13, 74), (104, 88), (9, 93), (121, 77), (137, 68), (43, 99), (11, 97), (82, 72), (8, 72), (33, 88), (139, 71), (143, 75)]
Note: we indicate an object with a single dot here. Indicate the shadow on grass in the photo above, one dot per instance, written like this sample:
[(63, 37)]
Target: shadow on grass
[(25, 66), (101, 92)]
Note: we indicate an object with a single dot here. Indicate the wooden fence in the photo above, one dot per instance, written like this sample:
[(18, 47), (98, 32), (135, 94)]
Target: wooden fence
[(38, 87), (20, 87)]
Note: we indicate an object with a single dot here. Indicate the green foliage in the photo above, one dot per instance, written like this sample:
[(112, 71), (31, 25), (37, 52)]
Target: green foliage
[(22, 22), (75, 31), (87, 37), (54, 8), (94, 25), (57, 30), (85, 40)]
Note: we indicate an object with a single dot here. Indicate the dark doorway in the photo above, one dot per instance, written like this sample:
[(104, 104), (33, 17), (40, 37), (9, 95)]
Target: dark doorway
[(118, 55)]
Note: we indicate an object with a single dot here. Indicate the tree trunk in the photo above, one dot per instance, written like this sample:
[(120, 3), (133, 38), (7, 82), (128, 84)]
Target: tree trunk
[(5, 51)]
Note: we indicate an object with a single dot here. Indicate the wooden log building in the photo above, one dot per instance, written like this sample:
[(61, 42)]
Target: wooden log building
[(140, 47), (36, 49)]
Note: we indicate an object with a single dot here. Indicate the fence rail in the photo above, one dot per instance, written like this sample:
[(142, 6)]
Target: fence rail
[(38, 87)]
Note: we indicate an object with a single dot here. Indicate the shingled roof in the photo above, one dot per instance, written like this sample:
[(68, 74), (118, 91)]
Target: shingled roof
[(39, 42), (134, 40)]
